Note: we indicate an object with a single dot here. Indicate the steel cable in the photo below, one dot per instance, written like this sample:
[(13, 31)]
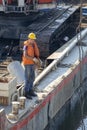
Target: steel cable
[(80, 59)]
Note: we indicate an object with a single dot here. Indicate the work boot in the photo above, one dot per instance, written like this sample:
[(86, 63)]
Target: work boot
[(31, 93), (27, 96)]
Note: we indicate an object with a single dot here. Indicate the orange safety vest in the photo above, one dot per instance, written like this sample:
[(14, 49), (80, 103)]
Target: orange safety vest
[(32, 50)]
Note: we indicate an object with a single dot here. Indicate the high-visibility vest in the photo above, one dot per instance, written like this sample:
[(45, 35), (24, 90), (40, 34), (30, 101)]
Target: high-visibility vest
[(32, 51)]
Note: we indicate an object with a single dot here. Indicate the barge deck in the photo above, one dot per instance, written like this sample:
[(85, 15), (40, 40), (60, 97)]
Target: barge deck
[(55, 87)]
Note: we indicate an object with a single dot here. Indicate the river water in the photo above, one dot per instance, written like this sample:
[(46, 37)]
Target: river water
[(73, 116)]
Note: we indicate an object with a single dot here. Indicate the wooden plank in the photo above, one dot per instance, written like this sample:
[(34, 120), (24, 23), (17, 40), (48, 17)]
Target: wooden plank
[(84, 25), (55, 55)]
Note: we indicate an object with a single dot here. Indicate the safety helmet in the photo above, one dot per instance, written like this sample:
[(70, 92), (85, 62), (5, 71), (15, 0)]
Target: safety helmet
[(32, 36)]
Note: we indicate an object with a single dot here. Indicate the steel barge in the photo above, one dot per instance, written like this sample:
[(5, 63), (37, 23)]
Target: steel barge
[(56, 85)]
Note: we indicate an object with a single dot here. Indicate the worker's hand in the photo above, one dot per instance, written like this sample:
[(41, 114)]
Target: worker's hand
[(37, 62)]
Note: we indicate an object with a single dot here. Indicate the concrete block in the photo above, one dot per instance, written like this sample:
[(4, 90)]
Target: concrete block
[(6, 91)]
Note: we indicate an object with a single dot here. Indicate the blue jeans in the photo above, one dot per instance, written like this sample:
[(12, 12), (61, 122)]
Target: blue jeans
[(29, 77)]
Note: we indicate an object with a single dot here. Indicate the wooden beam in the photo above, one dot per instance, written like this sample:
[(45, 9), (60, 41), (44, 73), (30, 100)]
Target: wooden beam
[(84, 25)]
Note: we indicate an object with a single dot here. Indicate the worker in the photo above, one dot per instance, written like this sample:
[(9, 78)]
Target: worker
[(30, 53)]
